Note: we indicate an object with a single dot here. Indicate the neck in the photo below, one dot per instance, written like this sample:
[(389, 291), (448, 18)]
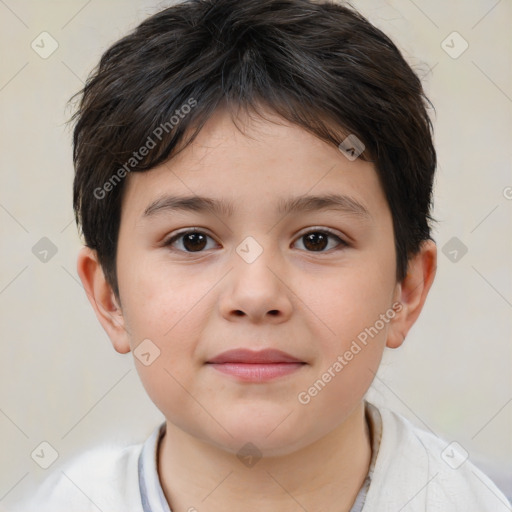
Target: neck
[(325, 475)]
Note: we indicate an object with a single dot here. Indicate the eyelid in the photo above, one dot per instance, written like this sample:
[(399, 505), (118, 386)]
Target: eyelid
[(176, 234), (322, 229)]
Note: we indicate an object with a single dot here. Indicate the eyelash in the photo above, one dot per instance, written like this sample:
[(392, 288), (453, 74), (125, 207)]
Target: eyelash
[(325, 231)]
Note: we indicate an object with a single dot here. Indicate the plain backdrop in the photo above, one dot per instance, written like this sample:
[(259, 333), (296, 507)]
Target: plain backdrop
[(61, 380)]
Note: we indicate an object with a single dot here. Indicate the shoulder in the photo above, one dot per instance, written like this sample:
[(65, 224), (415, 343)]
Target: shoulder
[(104, 478), (417, 470)]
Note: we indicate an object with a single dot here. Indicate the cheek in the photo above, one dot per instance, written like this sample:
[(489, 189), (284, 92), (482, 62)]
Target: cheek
[(159, 302), (358, 315), (353, 300), (355, 306), (171, 310), (172, 321)]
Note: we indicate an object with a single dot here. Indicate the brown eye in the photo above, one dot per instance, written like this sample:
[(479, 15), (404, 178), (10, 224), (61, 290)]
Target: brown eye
[(194, 242), (315, 241), (191, 241), (318, 241)]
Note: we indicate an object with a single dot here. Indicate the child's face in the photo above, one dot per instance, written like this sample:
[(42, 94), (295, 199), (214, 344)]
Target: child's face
[(308, 297)]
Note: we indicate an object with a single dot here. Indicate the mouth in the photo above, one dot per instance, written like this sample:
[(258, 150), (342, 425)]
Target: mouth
[(245, 356), (251, 366)]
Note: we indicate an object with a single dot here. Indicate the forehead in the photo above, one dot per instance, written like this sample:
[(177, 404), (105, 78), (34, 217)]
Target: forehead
[(235, 166)]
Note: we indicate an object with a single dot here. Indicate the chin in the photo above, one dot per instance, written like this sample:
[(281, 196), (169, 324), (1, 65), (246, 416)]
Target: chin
[(269, 437)]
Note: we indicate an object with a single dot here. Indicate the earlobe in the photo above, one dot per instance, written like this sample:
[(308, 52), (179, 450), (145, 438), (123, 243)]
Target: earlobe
[(102, 299), (412, 292)]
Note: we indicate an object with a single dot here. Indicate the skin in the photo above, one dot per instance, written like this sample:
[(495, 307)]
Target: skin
[(309, 303)]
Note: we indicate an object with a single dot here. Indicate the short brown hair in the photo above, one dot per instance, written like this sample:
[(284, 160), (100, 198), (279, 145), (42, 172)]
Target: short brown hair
[(317, 64)]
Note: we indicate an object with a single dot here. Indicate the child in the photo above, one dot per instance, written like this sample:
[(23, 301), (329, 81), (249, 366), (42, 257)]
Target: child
[(253, 183)]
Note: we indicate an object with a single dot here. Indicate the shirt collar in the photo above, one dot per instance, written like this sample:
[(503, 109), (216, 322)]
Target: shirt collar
[(152, 495)]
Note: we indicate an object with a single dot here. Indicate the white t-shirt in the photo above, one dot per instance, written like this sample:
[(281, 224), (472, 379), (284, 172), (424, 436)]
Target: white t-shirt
[(411, 471)]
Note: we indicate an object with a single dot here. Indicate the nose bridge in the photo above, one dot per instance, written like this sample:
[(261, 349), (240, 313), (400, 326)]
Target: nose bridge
[(250, 250), (256, 263), (255, 286)]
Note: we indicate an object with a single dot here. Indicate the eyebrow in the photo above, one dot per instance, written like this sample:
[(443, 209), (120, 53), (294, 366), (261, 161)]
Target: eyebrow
[(221, 207)]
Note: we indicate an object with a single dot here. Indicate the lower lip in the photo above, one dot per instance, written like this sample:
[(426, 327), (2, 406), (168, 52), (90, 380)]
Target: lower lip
[(257, 372)]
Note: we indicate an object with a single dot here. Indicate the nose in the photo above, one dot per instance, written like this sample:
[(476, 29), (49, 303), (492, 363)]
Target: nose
[(257, 291)]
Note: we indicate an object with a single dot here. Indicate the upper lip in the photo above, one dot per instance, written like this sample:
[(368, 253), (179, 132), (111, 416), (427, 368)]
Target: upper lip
[(242, 355)]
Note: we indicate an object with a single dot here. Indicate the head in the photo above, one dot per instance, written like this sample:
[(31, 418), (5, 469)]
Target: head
[(253, 105)]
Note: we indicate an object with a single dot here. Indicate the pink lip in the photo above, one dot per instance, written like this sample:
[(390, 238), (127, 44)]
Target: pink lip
[(257, 372), (243, 355), (250, 366)]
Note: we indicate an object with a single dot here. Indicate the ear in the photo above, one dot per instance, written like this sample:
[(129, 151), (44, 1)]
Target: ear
[(412, 291), (102, 298)]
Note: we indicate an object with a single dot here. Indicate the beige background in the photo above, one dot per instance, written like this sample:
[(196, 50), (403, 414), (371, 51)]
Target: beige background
[(61, 380)]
